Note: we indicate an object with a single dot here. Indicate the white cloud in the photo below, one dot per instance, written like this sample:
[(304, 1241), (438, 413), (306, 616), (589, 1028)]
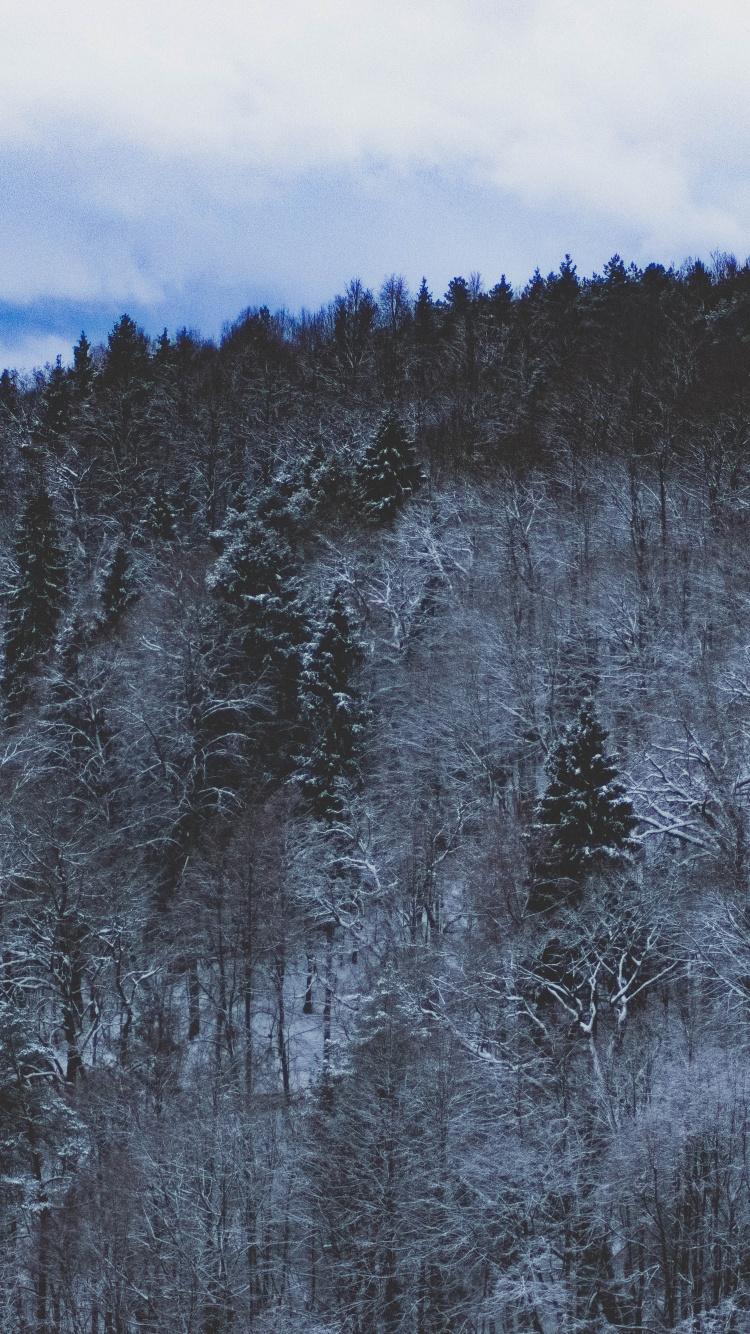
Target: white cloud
[(128, 124), (28, 352)]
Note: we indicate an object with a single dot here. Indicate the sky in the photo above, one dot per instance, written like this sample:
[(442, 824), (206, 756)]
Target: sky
[(183, 161)]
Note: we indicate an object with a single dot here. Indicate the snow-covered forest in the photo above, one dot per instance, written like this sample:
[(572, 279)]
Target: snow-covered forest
[(375, 772)]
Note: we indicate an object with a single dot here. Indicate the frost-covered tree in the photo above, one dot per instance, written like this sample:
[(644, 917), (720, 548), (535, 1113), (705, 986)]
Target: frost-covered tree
[(259, 633), (161, 516), (255, 584), (331, 711), (585, 813), (390, 472), (55, 406), (36, 601)]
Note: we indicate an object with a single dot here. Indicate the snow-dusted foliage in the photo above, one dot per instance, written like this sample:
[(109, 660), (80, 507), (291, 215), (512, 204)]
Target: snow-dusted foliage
[(375, 767)]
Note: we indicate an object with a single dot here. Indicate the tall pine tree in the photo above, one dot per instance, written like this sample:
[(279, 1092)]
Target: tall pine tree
[(255, 583), (83, 369), (128, 353), (390, 472), (585, 816), (55, 406), (332, 713), (260, 632), (37, 599)]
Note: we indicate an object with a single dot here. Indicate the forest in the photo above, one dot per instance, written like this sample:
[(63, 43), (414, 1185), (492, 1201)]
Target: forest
[(375, 797)]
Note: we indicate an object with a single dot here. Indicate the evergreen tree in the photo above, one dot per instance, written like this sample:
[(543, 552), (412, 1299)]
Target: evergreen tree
[(9, 395), (83, 368), (127, 358), (163, 349), (500, 301), (390, 473), (585, 812), (55, 413), (458, 296), (36, 601), (423, 315), (331, 711), (118, 590), (256, 586)]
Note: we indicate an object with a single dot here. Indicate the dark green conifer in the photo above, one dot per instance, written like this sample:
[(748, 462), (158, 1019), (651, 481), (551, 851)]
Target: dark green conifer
[(500, 301), (331, 711), (255, 583), (458, 296), (83, 367), (424, 313), (9, 395), (55, 413), (390, 473), (585, 813), (128, 357), (163, 350), (36, 601)]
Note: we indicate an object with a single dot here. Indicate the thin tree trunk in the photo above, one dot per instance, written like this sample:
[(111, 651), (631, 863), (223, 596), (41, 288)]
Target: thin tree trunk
[(280, 972), (193, 997), (307, 1008), (328, 998)]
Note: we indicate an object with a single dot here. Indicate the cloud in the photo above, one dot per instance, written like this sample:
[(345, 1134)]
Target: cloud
[(148, 150), (31, 351)]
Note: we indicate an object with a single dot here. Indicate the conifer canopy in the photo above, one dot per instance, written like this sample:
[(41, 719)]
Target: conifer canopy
[(588, 816)]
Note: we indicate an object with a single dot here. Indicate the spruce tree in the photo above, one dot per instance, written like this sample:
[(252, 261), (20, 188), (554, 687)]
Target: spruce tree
[(256, 659), (255, 584), (390, 473), (585, 813), (37, 599), (55, 408), (500, 301), (163, 350), (424, 310), (83, 368), (331, 711), (9, 394), (128, 355)]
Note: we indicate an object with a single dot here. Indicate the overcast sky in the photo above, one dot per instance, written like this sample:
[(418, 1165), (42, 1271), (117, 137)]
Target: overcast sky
[(182, 161)]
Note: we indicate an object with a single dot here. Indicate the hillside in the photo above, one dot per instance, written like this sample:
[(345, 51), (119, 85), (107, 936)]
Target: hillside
[(375, 763)]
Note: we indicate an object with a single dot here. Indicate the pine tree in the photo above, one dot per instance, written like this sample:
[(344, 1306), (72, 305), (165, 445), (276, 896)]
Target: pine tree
[(585, 813), (9, 394), (83, 368), (500, 301), (424, 310), (255, 581), (55, 411), (128, 357), (163, 350), (390, 473), (332, 712), (458, 296), (36, 601)]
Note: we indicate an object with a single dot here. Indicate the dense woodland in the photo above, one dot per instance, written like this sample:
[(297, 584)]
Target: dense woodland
[(375, 772)]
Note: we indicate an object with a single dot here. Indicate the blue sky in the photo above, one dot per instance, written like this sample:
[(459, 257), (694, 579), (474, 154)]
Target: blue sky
[(182, 161)]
